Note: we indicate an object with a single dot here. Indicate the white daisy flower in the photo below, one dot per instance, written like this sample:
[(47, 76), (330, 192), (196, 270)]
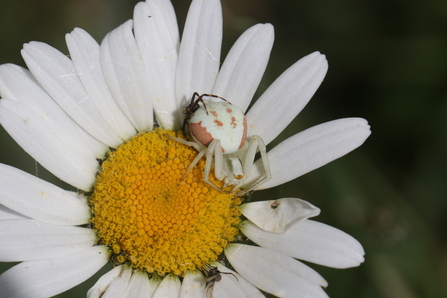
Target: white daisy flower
[(167, 236)]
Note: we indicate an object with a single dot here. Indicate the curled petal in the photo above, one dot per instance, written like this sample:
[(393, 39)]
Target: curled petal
[(278, 215)]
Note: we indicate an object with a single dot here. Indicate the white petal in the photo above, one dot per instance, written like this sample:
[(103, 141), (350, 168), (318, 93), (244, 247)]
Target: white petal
[(98, 149), (310, 241), (39, 199), (118, 286), (169, 18), (159, 53), (84, 52), (275, 272), (244, 66), (233, 285), (193, 285), (58, 76), (140, 286), (311, 149), (7, 214), (278, 215), (28, 240), (286, 97), (48, 144), (199, 56), (104, 282), (168, 288), (46, 278), (18, 83), (126, 76)]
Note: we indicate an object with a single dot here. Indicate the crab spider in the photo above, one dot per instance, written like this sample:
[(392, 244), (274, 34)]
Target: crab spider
[(219, 130)]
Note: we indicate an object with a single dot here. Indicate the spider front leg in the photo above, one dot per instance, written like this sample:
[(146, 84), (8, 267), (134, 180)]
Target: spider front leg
[(214, 151), (254, 145)]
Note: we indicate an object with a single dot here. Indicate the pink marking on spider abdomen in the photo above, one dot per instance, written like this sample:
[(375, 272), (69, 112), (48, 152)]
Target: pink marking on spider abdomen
[(244, 135), (201, 134)]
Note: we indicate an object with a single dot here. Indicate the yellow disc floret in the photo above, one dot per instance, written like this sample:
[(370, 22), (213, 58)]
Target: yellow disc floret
[(152, 218)]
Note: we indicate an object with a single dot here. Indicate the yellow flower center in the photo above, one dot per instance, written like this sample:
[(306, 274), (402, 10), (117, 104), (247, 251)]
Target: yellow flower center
[(152, 218)]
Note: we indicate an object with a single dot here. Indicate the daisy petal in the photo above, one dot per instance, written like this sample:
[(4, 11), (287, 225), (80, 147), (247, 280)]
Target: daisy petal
[(58, 76), (275, 272), (18, 84), (169, 18), (84, 52), (126, 76), (39, 199), (104, 282), (7, 214), (277, 216), (233, 285), (140, 286), (98, 149), (118, 286), (199, 56), (47, 278), (168, 288), (48, 144), (310, 241), (159, 54), (311, 149), (29, 240), (286, 97), (244, 66), (193, 285)]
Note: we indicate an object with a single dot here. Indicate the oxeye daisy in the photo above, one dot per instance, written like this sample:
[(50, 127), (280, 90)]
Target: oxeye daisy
[(107, 119)]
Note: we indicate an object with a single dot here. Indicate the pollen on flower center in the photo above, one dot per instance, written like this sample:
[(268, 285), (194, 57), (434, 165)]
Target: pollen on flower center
[(150, 217)]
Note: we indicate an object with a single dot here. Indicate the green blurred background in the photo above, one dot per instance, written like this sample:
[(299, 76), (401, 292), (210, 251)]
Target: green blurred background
[(387, 63)]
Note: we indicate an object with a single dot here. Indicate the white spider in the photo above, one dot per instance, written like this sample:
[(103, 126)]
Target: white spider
[(219, 130)]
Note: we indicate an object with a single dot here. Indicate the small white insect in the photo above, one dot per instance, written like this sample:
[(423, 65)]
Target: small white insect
[(219, 130)]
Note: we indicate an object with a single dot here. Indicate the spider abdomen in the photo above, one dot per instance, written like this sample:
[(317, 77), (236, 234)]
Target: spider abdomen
[(222, 121)]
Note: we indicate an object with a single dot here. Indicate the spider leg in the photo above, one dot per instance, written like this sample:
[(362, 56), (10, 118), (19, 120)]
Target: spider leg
[(194, 162), (185, 142), (235, 172), (218, 161), (255, 144), (214, 152)]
